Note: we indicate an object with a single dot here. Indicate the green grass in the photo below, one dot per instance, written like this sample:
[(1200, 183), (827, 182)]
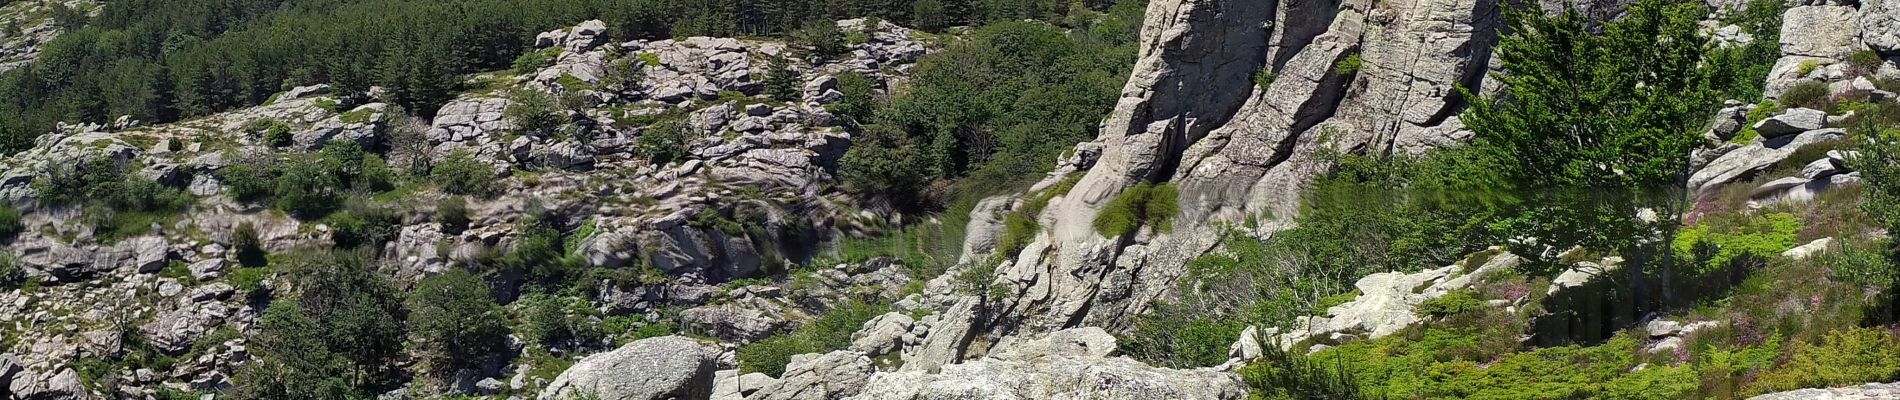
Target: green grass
[(357, 116), (1142, 205)]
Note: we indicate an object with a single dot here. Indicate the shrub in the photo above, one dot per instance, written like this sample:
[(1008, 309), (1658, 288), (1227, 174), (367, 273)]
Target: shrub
[(859, 97), (460, 173), (1733, 239), (529, 62), (625, 72), (555, 322), (1453, 303), (533, 113), (1865, 62), (250, 250), (1348, 65), (781, 82), (537, 253), (1181, 341), (363, 225), (11, 274), (1807, 93), (452, 214), (1842, 357), (1282, 375), (829, 332), (308, 188), (1264, 78), (1143, 204), (274, 132), (663, 142), (10, 222)]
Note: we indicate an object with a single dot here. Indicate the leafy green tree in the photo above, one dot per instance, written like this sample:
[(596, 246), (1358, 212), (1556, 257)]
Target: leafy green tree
[(455, 324), (308, 187), (293, 362), (334, 332), (1594, 126), (860, 97)]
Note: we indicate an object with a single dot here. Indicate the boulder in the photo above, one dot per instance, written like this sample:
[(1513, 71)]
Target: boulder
[(882, 335), (661, 368), (207, 269), (1880, 25), (1743, 162), (831, 376), (1811, 248), (1791, 122)]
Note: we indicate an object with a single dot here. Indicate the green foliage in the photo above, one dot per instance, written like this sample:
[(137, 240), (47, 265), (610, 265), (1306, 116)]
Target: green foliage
[(12, 275), (1761, 111), (1143, 204), (1282, 375), (665, 141), (859, 97), (460, 173), (357, 116), (821, 39), (334, 333), (831, 331), (1263, 78), (555, 321), (1716, 243), (995, 108), (1738, 71), (1807, 94), (275, 133), (781, 82), (533, 113), (1843, 357), (1865, 62), (1183, 341), (247, 245), (1349, 65), (1454, 303), (452, 214), (531, 61), (363, 224), (10, 222), (454, 324)]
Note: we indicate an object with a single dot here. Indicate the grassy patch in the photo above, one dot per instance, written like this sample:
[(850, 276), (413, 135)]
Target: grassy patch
[(1143, 204)]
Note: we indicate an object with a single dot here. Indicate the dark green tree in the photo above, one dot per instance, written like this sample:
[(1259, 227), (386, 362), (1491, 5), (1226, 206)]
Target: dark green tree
[(1595, 124), (455, 324)]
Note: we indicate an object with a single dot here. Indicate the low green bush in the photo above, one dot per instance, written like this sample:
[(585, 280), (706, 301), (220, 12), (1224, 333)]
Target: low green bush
[(1143, 204), (1843, 357), (11, 223), (1807, 94), (460, 173), (452, 214), (531, 61)]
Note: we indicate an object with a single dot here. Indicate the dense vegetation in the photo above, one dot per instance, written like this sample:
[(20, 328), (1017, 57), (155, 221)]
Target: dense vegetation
[(1552, 176), (160, 61)]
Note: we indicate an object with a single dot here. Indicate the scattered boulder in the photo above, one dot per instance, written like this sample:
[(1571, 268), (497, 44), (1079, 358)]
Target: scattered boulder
[(882, 335), (668, 367), (1790, 122), (1820, 31), (1871, 391), (1809, 249)]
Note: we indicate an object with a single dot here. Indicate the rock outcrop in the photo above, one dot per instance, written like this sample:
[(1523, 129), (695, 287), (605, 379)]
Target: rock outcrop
[(1069, 364), (662, 368)]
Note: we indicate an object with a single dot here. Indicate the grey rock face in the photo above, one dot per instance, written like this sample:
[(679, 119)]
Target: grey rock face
[(882, 335), (832, 376), (731, 323), (1054, 371), (662, 368), (1880, 25), (1821, 31)]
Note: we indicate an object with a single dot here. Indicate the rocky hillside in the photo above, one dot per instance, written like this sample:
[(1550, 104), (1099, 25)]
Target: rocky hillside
[(627, 216)]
